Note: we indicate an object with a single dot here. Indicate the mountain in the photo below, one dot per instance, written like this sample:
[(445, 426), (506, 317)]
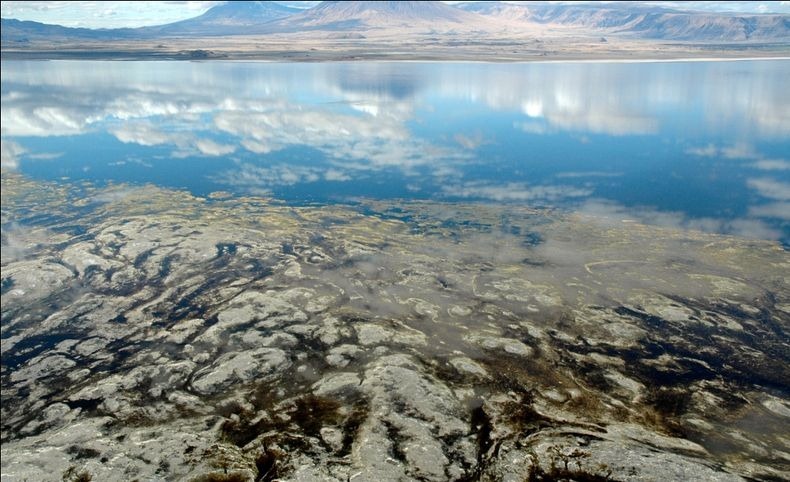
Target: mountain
[(365, 15), (255, 17), (225, 19), (390, 19), (25, 31), (229, 18), (642, 21)]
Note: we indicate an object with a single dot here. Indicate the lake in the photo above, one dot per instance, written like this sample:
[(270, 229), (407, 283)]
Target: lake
[(698, 145), (226, 271)]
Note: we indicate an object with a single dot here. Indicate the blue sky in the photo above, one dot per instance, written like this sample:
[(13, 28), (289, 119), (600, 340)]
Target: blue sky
[(140, 13)]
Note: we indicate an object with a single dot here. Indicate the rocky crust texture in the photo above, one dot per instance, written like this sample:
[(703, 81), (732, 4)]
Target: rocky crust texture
[(151, 335)]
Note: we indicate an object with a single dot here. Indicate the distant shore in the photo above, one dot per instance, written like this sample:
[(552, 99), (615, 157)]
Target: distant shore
[(312, 51)]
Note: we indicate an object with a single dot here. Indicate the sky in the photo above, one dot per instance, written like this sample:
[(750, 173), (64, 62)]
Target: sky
[(140, 13)]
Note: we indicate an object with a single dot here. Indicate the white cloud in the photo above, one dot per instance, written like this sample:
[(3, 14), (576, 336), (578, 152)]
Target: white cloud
[(513, 191), (603, 122), (780, 210), (254, 178), (618, 99), (532, 127), (740, 150), (186, 144), (611, 212), (256, 146), (112, 195), (770, 188), (707, 151), (41, 121), (211, 148), (351, 142), (772, 165), (145, 134), (336, 175), (18, 241), (45, 156), (589, 174), (533, 108), (472, 141), (9, 154), (752, 228)]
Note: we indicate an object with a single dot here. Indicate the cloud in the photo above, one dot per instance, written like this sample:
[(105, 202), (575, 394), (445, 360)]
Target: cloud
[(18, 241), (532, 127), (146, 134), (336, 175), (562, 175), (45, 156), (603, 122), (513, 191), (319, 128), (78, 102), (780, 210), (752, 228), (368, 108), (131, 160), (32, 120), (740, 150), (708, 151), (620, 99), (470, 142), (351, 142), (772, 165), (256, 146), (114, 194), (561, 97), (611, 212), (254, 179), (10, 152), (211, 148), (571, 111), (770, 188)]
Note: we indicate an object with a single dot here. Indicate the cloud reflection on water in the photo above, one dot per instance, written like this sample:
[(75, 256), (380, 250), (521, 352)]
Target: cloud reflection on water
[(433, 128)]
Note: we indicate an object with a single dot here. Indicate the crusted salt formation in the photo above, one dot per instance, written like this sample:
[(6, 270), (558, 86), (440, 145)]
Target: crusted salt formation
[(148, 334)]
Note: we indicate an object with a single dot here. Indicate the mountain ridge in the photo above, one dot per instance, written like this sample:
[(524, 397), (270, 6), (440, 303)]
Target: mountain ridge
[(644, 21), (348, 18)]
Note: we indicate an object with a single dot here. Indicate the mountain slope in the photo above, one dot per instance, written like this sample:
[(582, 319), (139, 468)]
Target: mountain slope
[(24, 31), (643, 21), (230, 18), (394, 18), (364, 15)]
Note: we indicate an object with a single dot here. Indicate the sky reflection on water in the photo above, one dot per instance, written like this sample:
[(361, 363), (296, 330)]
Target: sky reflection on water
[(702, 145)]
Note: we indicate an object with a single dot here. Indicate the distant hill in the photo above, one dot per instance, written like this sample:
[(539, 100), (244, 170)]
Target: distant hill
[(230, 18), (364, 15), (226, 19), (643, 21), (24, 31)]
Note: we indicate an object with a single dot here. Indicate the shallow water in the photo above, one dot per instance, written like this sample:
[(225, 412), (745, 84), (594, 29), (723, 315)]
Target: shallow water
[(394, 271), (691, 144)]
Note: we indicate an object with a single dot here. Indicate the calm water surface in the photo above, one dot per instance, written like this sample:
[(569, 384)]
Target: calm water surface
[(702, 145)]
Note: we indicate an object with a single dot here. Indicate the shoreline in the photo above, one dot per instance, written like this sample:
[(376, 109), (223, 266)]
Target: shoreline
[(378, 53), (283, 59)]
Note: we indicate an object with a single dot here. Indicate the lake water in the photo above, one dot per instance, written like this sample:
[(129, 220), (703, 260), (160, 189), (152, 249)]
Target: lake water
[(702, 145), (395, 271)]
